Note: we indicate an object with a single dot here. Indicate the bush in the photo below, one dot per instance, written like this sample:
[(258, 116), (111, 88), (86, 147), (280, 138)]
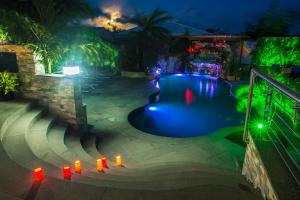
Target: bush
[(8, 83), (4, 36)]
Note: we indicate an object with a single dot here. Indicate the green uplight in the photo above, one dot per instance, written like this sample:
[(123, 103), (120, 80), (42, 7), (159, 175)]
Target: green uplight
[(260, 126)]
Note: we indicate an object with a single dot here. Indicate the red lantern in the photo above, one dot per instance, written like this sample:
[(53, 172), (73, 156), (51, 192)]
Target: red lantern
[(38, 174), (104, 163), (67, 172)]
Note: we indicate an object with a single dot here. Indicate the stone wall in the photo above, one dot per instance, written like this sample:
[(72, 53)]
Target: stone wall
[(255, 171), (62, 94)]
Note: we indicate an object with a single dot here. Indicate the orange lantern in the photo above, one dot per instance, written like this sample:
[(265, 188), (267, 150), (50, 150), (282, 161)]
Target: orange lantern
[(77, 166), (99, 165)]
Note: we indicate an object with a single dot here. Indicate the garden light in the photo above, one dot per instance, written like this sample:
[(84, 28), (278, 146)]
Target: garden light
[(38, 174), (67, 172), (71, 70), (99, 165), (260, 126), (118, 160), (77, 166), (152, 108)]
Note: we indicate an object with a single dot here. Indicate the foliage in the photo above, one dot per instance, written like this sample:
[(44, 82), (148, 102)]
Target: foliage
[(283, 51), (147, 40), (8, 83), (4, 36), (86, 48), (53, 14), (274, 22), (270, 52), (21, 29), (259, 92), (73, 43)]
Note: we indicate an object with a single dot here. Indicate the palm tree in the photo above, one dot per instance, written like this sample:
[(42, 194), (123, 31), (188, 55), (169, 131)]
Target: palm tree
[(149, 31)]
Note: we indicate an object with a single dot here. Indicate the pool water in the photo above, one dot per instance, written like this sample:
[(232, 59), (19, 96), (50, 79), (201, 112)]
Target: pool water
[(187, 106)]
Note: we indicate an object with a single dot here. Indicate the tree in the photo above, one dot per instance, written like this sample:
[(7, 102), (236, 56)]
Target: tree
[(149, 32), (52, 14), (273, 22), (60, 46)]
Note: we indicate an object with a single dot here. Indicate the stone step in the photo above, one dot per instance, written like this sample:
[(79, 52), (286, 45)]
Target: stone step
[(18, 181), (29, 126), (37, 140), (16, 146), (88, 142), (11, 112), (142, 175), (73, 143)]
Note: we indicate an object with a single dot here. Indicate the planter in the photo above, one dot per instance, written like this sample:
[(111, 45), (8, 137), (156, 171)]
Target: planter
[(128, 74)]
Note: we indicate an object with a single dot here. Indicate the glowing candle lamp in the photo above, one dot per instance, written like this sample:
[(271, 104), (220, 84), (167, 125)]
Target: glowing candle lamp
[(77, 166), (100, 165), (38, 174), (67, 172), (118, 160), (104, 163)]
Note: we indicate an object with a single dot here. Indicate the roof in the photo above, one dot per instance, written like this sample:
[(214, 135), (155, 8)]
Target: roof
[(176, 29)]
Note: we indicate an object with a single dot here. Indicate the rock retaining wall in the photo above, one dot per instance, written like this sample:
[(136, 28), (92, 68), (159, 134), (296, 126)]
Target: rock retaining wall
[(255, 171), (62, 94)]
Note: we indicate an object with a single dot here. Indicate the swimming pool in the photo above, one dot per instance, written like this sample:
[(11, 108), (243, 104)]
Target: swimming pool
[(187, 106)]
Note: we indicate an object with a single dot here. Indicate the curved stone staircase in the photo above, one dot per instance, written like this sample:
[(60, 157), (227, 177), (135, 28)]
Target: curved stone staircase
[(31, 137)]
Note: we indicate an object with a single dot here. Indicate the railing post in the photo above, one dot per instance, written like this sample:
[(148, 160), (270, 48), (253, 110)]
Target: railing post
[(268, 103), (252, 79)]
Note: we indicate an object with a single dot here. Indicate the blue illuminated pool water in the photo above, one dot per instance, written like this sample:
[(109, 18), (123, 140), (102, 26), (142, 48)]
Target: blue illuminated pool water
[(187, 106)]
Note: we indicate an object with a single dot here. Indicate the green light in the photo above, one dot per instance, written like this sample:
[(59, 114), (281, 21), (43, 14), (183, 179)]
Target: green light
[(260, 126)]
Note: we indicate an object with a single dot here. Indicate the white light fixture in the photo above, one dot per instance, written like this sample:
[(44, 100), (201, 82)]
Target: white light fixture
[(71, 70)]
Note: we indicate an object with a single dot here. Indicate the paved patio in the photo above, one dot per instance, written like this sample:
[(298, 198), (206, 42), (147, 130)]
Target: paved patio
[(108, 112)]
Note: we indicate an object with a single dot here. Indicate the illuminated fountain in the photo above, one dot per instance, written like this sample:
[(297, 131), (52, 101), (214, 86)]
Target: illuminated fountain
[(207, 68)]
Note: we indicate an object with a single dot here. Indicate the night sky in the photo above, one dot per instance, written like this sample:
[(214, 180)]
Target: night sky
[(231, 16)]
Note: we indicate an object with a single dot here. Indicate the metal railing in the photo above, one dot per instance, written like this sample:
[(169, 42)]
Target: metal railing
[(280, 115)]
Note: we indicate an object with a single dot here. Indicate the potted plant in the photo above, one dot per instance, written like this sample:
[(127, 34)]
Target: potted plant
[(8, 85)]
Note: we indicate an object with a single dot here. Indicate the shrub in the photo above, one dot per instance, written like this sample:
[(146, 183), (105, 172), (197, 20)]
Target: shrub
[(8, 83), (4, 36)]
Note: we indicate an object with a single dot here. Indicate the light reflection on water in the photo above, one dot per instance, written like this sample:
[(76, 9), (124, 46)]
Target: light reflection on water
[(188, 106)]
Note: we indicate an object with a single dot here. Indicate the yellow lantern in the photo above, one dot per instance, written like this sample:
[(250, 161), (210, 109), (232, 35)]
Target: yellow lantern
[(118, 160)]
